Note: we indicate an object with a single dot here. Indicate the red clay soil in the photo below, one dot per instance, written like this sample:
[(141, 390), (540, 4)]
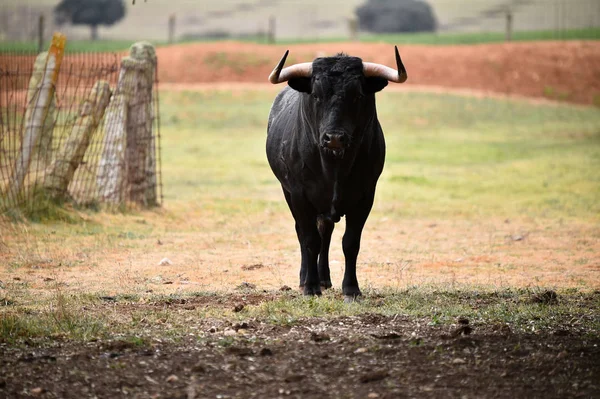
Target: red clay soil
[(563, 70)]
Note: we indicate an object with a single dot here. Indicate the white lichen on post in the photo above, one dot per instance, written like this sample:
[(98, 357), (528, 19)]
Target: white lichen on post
[(111, 175), (127, 168), (42, 150), (40, 97), (71, 155)]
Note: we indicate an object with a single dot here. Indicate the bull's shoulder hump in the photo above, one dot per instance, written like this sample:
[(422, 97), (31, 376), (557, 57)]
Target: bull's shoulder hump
[(285, 99)]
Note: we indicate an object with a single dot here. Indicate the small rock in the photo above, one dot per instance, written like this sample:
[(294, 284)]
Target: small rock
[(37, 391), (172, 378), (239, 351), (294, 378), (253, 267), (374, 376), (373, 395), (246, 286), (48, 279), (238, 308), (391, 335), (361, 350), (165, 262), (317, 337), (229, 333), (285, 288), (517, 237), (199, 368), (241, 326), (458, 360), (265, 352)]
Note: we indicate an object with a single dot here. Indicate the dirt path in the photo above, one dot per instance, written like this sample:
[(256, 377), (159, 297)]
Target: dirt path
[(564, 71)]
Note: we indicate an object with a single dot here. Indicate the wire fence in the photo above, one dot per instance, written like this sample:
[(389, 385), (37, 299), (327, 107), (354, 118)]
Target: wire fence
[(88, 135)]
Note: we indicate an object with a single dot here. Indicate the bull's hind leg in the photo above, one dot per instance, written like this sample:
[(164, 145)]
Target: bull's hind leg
[(355, 221), (325, 226)]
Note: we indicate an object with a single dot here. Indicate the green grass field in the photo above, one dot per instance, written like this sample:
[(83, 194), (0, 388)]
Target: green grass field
[(447, 156)]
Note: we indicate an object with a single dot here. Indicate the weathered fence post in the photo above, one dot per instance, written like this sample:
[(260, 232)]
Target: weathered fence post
[(509, 23), (38, 121), (353, 29), (41, 33), (271, 31), (127, 169), (67, 161), (171, 37)]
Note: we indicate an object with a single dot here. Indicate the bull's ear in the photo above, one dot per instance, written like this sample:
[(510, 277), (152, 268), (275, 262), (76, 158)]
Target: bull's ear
[(301, 84), (375, 84)]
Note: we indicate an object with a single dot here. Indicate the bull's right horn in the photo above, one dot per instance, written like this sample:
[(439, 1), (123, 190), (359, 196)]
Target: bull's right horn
[(280, 75), (382, 71)]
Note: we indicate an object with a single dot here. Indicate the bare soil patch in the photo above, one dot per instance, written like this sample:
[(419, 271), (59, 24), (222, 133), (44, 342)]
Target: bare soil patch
[(263, 251), (564, 70), (367, 356)]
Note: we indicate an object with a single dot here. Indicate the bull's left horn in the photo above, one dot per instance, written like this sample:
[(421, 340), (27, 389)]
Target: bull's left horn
[(280, 74), (397, 76)]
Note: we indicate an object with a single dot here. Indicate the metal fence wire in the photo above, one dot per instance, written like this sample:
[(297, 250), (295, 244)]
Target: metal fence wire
[(91, 137)]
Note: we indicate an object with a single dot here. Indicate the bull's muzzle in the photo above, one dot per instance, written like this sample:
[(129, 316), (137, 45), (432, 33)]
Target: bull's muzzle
[(335, 141)]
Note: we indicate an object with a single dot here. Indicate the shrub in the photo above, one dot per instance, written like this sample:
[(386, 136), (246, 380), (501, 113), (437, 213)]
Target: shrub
[(391, 16)]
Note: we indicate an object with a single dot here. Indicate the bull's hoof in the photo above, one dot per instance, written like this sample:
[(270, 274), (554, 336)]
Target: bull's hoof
[(351, 292), (326, 284), (311, 290), (351, 299)]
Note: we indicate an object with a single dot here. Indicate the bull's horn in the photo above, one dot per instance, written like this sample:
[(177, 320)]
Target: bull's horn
[(280, 75), (399, 76)]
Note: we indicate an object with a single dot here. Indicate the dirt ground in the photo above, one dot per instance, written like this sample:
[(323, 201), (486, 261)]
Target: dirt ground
[(265, 252), (366, 356), (564, 70)]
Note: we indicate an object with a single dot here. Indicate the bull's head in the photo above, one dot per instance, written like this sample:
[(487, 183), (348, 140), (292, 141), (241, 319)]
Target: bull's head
[(340, 92)]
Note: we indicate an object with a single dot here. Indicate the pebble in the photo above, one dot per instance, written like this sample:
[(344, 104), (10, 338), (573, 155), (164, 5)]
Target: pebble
[(229, 333), (172, 378), (361, 350), (165, 262)]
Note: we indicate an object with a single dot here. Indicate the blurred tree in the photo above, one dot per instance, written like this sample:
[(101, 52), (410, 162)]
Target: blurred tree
[(390, 16), (89, 12)]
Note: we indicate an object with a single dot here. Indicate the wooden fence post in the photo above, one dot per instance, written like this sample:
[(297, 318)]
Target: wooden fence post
[(509, 23), (171, 38), (67, 161), (127, 168), (41, 33), (40, 97), (271, 31)]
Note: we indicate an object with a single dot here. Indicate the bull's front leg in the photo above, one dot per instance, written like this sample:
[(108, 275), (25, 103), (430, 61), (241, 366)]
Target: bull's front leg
[(355, 221), (325, 226), (310, 244)]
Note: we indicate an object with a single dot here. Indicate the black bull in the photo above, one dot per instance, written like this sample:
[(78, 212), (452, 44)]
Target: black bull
[(326, 147)]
